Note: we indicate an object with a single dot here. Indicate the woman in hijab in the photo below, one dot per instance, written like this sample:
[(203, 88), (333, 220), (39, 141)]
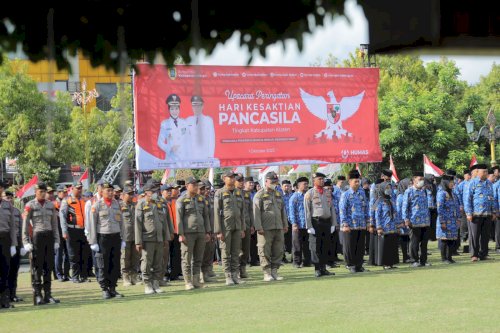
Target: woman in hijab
[(404, 231), (386, 223), (448, 211)]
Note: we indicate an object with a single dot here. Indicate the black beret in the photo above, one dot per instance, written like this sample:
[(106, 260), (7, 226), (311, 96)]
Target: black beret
[(354, 174), (328, 182), (451, 172), (173, 99), (191, 180), (319, 175), (272, 176), (302, 179), (181, 182), (9, 193), (41, 186), (239, 177), (387, 172), (286, 181), (480, 167), (196, 99), (341, 178), (106, 184), (418, 174), (249, 179)]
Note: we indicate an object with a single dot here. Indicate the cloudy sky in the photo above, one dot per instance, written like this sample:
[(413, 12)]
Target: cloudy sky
[(338, 37)]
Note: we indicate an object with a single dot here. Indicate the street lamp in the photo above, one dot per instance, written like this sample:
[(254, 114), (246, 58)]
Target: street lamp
[(82, 98), (489, 131)]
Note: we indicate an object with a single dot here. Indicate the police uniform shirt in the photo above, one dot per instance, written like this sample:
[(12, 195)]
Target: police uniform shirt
[(319, 205), (41, 217), (7, 223), (105, 220)]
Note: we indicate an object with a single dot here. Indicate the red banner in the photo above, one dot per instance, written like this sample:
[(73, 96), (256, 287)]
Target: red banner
[(210, 116)]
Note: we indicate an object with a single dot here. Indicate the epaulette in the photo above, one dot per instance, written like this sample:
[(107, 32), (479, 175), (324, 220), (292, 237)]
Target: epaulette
[(277, 193), (225, 194), (200, 199)]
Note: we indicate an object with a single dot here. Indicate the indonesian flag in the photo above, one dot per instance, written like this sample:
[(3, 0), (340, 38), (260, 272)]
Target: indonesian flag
[(359, 170), (394, 177), (211, 176), (329, 169), (240, 169), (300, 168), (28, 189), (473, 161), (430, 168), (166, 175), (84, 179)]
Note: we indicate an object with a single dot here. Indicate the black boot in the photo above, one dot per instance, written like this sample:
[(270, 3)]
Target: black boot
[(48, 299), (14, 297), (5, 300), (106, 294), (114, 293), (38, 295)]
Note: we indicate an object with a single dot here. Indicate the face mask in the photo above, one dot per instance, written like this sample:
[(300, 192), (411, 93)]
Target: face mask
[(154, 196), (420, 184), (388, 192), (272, 186)]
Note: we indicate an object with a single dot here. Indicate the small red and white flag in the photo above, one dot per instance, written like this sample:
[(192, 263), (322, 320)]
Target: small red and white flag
[(359, 170), (166, 175), (394, 177), (329, 169), (240, 169), (28, 189), (300, 168), (264, 170), (84, 179), (473, 161), (430, 168)]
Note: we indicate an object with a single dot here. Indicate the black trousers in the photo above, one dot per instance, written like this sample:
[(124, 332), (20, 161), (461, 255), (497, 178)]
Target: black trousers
[(479, 236), (288, 240), (387, 250), (108, 259), (175, 257), (419, 238), (42, 260), (354, 247), (404, 243), (319, 243), (5, 244), (254, 253), (497, 235), (13, 272), (432, 232), (61, 259), (373, 250), (78, 250), (332, 251), (492, 229), (447, 248), (301, 251)]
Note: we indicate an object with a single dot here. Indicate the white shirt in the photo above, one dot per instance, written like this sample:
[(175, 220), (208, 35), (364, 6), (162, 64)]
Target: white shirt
[(174, 139), (201, 129)]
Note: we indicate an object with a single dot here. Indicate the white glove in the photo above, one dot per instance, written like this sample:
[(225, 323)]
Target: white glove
[(56, 246), (311, 231), (12, 251), (94, 247), (123, 245), (22, 252), (28, 247), (332, 229), (86, 232)]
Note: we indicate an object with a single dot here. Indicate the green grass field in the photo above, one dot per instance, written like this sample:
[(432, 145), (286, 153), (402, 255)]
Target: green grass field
[(464, 297)]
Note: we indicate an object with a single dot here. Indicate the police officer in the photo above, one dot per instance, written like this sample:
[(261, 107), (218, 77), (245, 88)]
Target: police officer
[(8, 244), (271, 223), (416, 215), (41, 216), (194, 231), (130, 256), (320, 223), (151, 235), (62, 264), (354, 218), (174, 134), (480, 208), (249, 230), (207, 269), (72, 220), (15, 259), (106, 234), (229, 225)]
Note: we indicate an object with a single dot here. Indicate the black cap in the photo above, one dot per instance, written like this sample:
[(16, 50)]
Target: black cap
[(228, 173), (196, 99), (41, 186), (480, 167), (319, 175), (387, 172), (117, 188), (181, 182), (286, 181), (128, 189), (491, 171), (302, 179), (354, 174), (418, 174), (9, 194), (173, 99), (151, 185), (192, 180), (328, 182), (239, 177), (50, 189), (77, 184), (272, 176), (106, 184), (451, 172), (249, 179), (341, 178)]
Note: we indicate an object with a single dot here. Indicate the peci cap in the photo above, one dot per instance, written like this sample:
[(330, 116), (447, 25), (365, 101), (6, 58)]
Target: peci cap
[(196, 100), (173, 99), (302, 179), (41, 186), (354, 174)]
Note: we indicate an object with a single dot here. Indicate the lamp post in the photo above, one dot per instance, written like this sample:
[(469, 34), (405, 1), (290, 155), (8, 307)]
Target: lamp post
[(489, 131), (82, 98)]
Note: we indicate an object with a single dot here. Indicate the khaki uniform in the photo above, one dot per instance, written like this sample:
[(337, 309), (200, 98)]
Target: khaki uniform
[(130, 257), (208, 254), (245, 242), (106, 230), (270, 216), (193, 223), (151, 232), (45, 233), (229, 219)]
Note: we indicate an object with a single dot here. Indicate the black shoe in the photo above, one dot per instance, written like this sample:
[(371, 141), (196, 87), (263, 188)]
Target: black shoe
[(114, 293), (91, 274), (353, 270), (16, 299), (65, 279), (317, 273), (306, 265), (466, 249), (76, 280), (452, 261), (106, 294), (51, 300), (39, 300), (417, 264), (297, 266), (361, 270), (327, 273), (174, 278)]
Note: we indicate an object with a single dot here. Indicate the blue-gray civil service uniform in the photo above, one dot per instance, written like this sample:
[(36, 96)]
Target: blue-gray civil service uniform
[(416, 210)]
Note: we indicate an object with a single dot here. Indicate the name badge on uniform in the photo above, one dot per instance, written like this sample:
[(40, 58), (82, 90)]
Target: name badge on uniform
[(118, 217)]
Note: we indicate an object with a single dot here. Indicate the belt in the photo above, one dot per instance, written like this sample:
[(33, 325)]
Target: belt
[(72, 226), (320, 219)]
